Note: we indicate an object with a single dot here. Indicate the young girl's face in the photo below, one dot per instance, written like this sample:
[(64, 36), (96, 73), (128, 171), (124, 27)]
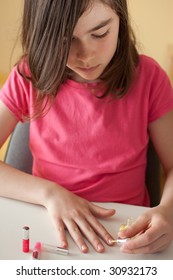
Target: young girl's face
[(94, 42)]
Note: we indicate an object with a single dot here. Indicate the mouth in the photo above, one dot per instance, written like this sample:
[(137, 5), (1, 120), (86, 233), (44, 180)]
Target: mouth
[(88, 69)]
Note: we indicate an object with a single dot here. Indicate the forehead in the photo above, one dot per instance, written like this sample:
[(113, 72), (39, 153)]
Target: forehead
[(95, 13)]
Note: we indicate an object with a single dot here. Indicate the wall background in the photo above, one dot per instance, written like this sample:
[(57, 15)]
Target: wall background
[(152, 21), (10, 19)]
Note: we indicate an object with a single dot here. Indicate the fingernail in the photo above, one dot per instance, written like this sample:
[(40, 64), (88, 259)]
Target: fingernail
[(64, 244), (100, 247), (84, 248), (110, 241)]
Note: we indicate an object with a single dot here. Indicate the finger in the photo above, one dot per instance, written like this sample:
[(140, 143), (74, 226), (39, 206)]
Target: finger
[(142, 240), (157, 246), (138, 227), (61, 234), (101, 212), (100, 230), (147, 239), (76, 235), (88, 231), (91, 229)]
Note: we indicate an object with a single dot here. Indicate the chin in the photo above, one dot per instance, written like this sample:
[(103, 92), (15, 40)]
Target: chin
[(89, 78)]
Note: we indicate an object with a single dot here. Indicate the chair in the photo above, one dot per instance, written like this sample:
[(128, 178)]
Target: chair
[(153, 176), (19, 156)]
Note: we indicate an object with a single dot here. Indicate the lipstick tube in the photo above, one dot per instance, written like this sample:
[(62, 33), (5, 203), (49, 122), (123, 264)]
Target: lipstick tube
[(36, 251), (53, 249), (25, 240)]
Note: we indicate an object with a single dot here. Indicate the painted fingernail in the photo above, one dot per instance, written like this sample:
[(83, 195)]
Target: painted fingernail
[(100, 247), (84, 248), (64, 244), (110, 241)]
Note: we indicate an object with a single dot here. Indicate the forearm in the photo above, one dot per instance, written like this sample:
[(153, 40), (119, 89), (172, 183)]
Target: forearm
[(22, 186)]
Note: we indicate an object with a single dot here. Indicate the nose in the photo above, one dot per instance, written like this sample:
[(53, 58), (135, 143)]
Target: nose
[(84, 52)]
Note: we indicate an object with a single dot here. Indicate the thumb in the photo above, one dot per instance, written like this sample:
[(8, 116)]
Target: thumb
[(101, 212)]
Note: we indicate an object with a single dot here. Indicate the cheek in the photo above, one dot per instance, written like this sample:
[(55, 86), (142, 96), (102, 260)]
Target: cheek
[(109, 47), (107, 52)]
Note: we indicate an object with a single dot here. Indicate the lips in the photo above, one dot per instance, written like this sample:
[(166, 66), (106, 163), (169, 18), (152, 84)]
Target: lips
[(88, 69)]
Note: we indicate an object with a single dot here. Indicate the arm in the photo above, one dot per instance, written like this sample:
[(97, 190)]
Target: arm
[(157, 223), (66, 210)]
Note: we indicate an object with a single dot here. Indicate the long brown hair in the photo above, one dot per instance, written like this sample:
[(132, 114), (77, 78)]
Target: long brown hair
[(47, 32)]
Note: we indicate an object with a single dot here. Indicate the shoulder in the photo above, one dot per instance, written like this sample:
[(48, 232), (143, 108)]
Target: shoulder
[(18, 93), (149, 67), (16, 83), (154, 87), (150, 74), (147, 60)]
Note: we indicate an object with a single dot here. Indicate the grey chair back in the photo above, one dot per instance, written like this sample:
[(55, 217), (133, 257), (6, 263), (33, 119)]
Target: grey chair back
[(18, 153), (153, 175)]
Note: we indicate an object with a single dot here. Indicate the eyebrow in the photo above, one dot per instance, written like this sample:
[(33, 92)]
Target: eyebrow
[(100, 25)]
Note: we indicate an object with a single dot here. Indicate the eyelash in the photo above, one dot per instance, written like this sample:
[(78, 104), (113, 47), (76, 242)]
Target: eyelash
[(97, 36), (102, 35)]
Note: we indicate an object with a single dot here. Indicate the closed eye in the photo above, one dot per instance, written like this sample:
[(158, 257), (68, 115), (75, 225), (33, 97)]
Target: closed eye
[(101, 35)]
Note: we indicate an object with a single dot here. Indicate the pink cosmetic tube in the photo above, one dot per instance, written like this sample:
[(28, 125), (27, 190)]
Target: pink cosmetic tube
[(42, 247), (36, 251), (25, 240)]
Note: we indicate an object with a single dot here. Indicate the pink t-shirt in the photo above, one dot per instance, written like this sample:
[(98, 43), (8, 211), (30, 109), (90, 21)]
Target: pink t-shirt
[(95, 147)]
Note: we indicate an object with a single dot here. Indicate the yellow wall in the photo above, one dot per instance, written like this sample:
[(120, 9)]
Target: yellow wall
[(151, 19), (10, 19), (153, 22)]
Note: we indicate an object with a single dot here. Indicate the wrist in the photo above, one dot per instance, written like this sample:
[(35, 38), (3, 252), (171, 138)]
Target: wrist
[(50, 192)]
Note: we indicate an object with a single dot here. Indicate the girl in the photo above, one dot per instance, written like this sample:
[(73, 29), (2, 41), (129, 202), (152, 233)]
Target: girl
[(93, 102)]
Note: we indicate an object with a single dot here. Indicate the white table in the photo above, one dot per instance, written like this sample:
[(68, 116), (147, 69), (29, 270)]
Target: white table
[(15, 214)]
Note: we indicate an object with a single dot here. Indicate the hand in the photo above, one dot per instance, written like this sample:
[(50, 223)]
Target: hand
[(151, 232), (78, 216)]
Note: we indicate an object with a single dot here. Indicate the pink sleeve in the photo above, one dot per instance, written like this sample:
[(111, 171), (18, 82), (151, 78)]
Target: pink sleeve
[(15, 94), (161, 95)]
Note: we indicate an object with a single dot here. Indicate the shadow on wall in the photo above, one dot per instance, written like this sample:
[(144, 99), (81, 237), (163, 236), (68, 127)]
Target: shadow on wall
[(170, 52), (3, 78), (171, 70)]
